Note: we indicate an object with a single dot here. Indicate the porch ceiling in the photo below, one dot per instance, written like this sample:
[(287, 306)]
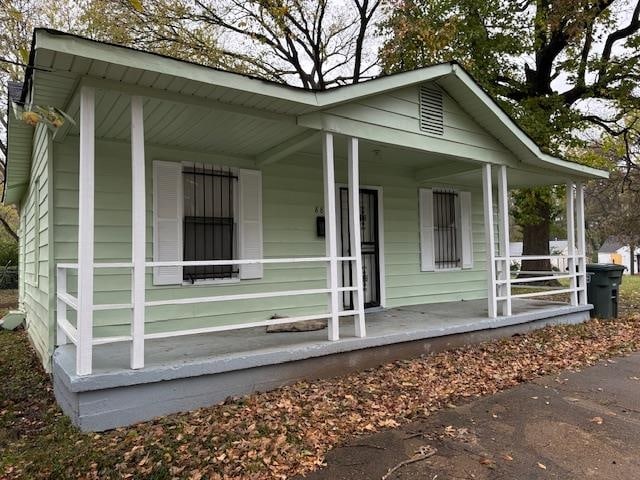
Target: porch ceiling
[(192, 127)]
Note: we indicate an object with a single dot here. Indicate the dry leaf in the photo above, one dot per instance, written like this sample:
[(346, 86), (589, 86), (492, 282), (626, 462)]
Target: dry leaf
[(542, 466)]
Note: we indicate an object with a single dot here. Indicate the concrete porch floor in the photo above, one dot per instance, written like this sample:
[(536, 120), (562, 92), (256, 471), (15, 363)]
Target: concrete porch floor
[(187, 372)]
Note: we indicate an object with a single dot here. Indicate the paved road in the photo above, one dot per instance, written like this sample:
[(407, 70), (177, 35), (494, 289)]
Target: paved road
[(582, 425)]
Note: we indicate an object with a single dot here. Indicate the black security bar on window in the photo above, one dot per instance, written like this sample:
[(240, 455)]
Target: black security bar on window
[(209, 226), (445, 229)]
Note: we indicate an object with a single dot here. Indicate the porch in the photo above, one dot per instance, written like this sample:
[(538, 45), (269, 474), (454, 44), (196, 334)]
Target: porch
[(82, 299), (200, 370)]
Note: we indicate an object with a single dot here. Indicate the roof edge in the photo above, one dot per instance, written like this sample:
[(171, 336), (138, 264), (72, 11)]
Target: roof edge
[(523, 136)]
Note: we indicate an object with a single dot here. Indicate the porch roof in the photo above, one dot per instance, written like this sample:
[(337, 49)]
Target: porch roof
[(61, 61)]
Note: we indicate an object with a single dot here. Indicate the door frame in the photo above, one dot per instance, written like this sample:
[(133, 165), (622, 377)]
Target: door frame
[(381, 271)]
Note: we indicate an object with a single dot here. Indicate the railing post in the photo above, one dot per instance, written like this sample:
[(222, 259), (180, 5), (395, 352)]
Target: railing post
[(138, 231), (489, 236), (354, 237), (330, 233), (571, 244), (503, 204), (582, 250), (61, 306), (84, 348)]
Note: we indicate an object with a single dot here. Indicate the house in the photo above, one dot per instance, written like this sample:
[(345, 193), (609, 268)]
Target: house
[(615, 251), (558, 248), (187, 208)]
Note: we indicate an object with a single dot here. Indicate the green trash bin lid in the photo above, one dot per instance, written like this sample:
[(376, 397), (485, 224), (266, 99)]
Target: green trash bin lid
[(605, 267)]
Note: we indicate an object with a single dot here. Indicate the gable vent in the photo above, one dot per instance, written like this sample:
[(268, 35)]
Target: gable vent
[(431, 110)]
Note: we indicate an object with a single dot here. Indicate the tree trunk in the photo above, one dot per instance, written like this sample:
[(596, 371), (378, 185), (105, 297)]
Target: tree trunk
[(632, 262), (535, 241)]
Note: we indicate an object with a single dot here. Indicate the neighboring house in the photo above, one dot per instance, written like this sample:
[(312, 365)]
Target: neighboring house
[(558, 248), (189, 207), (614, 251)]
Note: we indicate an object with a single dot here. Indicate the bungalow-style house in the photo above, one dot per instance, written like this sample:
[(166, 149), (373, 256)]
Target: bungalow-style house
[(185, 209), (615, 251)]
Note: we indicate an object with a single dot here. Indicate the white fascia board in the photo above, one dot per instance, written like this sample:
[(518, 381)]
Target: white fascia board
[(67, 43), (380, 85), (535, 150)]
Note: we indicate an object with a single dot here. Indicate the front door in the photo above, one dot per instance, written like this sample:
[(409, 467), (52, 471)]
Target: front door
[(369, 247)]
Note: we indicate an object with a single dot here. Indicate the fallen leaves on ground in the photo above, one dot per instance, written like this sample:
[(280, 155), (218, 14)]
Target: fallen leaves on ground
[(284, 432)]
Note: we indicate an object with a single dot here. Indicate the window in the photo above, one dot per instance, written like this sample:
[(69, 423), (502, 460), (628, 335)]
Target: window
[(205, 212), (446, 233), (210, 220), (445, 229)]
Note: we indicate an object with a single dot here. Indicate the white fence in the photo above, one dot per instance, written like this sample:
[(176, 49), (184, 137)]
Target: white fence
[(81, 334)]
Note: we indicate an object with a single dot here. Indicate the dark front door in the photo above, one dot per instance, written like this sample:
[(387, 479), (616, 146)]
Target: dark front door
[(369, 247)]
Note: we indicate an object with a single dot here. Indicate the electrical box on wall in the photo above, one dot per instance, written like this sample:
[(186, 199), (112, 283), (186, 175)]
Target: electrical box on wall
[(320, 227)]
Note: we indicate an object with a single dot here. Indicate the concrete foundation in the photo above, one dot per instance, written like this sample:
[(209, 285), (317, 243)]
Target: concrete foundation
[(183, 373)]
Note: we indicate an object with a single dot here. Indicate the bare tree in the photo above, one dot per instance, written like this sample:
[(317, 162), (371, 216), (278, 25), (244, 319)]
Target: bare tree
[(315, 44)]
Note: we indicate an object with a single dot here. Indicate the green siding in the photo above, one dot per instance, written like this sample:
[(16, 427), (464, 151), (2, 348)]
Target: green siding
[(292, 190), (34, 252), (400, 111)]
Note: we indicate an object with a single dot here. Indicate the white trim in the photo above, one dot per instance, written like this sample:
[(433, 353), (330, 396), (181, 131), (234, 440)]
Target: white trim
[(247, 296), (86, 178), (157, 274), (208, 282), (138, 232), (250, 191), (380, 192), (426, 227), (571, 242), (489, 235), (61, 306), (330, 233), (503, 219), (582, 261), (465, 201), (239, 326), (355, 241)]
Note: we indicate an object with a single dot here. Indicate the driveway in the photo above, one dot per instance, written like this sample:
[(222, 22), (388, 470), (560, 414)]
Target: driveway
[(576, 425)]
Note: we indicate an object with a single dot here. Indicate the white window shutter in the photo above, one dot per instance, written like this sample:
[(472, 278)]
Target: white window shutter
[(466, 232), (250, 221), (426, 230), (167, 221)]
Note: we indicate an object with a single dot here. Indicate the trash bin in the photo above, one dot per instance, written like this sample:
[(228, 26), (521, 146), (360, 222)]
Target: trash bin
[(603, 283)]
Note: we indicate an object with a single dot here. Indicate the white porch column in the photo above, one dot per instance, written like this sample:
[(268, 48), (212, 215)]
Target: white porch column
[(330, 234), (138, 231), (354, 238), (84, 348), (571, 243), (505, 271), (582, 244), (489, 236)]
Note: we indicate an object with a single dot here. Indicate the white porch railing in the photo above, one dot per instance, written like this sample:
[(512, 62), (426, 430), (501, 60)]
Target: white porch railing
[(505, 281), (499, 266), (81, 334), (65, 300)]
